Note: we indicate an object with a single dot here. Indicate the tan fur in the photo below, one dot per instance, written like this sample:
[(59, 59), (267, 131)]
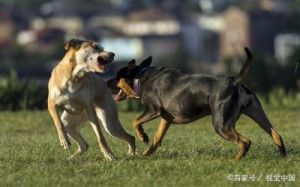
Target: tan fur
[(60, 74), (137, 124), (159, 135), (65, 68), (276, 137), (84, 96), (126, 88)]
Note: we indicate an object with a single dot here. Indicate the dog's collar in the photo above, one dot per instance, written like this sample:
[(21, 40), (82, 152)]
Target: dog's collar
[(136, 82), (136, 87)]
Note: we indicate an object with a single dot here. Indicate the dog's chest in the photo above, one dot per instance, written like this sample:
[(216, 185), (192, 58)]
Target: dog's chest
[(72, 102)]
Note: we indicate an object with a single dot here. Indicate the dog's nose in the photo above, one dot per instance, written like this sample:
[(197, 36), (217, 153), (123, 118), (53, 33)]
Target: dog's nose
[(111, 53)]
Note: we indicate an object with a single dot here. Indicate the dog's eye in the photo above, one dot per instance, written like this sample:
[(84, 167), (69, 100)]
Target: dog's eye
[(96, 47)]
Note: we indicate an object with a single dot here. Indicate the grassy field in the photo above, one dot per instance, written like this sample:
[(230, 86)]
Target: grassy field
[(193, 155)]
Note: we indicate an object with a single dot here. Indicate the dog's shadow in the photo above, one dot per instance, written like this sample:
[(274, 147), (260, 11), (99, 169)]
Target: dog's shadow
[(264, 152), (165, 154)]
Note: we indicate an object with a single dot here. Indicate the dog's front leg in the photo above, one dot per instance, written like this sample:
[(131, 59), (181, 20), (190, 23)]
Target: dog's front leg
[(101, 139), (62, 134), (160, 133), (148, 115)]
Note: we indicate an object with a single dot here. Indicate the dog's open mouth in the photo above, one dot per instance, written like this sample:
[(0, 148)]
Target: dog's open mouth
[(103, 61), (119, 96)]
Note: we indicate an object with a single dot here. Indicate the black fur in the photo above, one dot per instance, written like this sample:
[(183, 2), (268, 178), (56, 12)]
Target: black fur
[(182, 98), (75, 43)]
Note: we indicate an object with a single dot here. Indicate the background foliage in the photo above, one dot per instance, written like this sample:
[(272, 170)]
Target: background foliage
[(276, 83)]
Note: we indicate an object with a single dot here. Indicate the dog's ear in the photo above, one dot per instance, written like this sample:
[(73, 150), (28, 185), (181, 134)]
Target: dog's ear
[(75, 43), (131, 64), (146, 63)]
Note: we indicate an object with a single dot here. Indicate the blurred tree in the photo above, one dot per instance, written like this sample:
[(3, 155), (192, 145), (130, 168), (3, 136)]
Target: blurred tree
[(178, 59), (16, 94), (267, 74)]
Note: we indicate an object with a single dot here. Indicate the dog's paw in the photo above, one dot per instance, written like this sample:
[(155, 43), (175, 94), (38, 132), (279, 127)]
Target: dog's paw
[(74, 155), (71, 157), (65, 144), (150, 150), (64, 141), (131, 151), (109, 157), (144, 138)]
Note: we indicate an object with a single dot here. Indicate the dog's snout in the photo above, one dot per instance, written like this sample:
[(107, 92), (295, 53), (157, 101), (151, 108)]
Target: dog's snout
[(111, 54)]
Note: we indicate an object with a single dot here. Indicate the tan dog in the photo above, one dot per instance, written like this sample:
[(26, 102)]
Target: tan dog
[(82, 95)]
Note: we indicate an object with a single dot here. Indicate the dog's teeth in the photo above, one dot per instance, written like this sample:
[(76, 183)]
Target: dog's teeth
[(118, 95)]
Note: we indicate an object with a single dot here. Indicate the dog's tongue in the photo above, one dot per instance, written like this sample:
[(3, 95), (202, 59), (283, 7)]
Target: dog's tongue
[(117, 96)]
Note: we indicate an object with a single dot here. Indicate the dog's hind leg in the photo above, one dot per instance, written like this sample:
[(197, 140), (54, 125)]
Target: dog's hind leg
[(231, 135), (72, 123), (100, 137), (160, 133), (110, 121), (255, 111), (224, 124)]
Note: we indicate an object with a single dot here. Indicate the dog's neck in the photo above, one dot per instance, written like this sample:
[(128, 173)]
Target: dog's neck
[(64, 70)]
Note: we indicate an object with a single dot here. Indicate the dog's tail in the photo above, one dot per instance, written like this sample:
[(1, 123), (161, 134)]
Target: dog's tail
[(241, 76)]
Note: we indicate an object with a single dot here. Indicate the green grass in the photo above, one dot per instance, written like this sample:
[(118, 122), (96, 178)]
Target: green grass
[(190, 155)]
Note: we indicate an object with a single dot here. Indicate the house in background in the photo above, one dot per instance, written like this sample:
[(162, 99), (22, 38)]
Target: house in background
[(211, 26), (235, 34), (285, 44), (264, 27), (234, 29), (224, 35), (7, 31), (144, 32), (158, 30)]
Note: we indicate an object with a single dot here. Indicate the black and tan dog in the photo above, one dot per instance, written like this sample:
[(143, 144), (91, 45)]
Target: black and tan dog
[(181, 98)]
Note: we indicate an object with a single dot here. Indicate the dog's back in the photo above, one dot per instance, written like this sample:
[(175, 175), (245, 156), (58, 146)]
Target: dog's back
[(182, 94), (186, 94)]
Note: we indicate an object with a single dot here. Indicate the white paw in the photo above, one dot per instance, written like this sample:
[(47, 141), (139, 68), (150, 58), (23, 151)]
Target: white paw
[(131, 152), (64, 141), (109, 156), (71, 157)]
